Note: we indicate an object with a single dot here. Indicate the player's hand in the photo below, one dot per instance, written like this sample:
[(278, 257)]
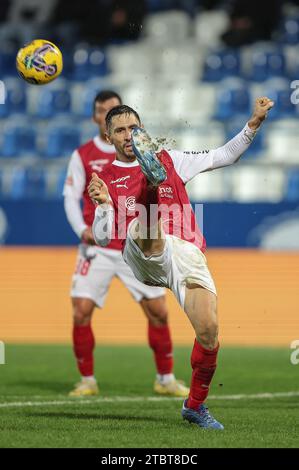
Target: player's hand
[(87, 236), (98, 190), (260, 112)]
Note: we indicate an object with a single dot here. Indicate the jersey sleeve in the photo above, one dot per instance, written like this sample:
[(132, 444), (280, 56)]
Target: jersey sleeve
[(73, 190), (190, 163), (103, 224), (75, 178)]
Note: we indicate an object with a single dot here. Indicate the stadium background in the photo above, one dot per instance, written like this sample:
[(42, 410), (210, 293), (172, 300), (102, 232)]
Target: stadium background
[(192, 69)]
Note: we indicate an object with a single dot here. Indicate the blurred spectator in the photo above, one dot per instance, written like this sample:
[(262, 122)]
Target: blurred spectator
[(126, 19), (252, 21), (101, 21), (4, 7), (33, 11)]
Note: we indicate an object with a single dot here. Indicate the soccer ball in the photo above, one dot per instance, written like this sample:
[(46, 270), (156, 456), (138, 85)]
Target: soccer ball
[(39, 62)]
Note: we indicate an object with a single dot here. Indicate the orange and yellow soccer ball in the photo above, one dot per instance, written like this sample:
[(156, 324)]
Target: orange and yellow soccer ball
[(39, 62)]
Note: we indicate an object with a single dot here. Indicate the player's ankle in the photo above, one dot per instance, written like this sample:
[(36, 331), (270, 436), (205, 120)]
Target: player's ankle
[(165, 379), (88, 378)]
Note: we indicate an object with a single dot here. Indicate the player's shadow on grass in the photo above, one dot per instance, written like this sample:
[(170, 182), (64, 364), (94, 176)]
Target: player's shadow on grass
[(97, 416)]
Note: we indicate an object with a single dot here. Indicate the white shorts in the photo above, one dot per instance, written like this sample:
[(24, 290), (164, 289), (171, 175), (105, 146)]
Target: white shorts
[(94, 272), (180, 263)]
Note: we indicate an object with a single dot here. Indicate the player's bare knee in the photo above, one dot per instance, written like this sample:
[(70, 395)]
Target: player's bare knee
[(156, 311), (82, 311), (208, 335)]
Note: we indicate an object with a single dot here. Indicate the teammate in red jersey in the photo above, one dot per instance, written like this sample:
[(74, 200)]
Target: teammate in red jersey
[(97, 266), (162, 244)]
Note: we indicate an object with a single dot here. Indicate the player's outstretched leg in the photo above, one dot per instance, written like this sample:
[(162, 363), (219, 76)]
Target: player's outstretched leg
[(154, 264)]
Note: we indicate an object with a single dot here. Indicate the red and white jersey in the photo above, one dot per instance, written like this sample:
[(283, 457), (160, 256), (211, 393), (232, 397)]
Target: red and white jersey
[(127, 188), (91, 157)]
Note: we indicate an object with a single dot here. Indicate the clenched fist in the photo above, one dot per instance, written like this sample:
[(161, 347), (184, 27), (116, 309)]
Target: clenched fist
[(261, 108), (98, 190)]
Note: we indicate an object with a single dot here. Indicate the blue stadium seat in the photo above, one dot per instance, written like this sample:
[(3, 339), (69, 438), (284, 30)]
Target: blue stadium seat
[(157, 5), (293, 72), (28, 183), (89, 62), (231, 101), (283, 108), (17, 184), (220, 65), (51, 102), (266, 65), (292, 191), (82, 102), (1, 183), (61, 141), (15, 97), (18, 140), (60, 183), (8, 61), (278, 89), (290, 30)]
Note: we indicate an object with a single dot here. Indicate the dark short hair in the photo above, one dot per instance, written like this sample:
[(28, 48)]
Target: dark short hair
[(118, 110), (105, 95)]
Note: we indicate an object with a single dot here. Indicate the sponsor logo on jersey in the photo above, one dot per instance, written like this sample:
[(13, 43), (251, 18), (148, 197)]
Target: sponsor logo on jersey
[(165, 191), (98, 164), (193, 152), (119, 180), (122, 182), (130, 203)]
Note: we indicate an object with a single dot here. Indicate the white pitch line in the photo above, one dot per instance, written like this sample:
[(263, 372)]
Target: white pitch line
[(76, 401)]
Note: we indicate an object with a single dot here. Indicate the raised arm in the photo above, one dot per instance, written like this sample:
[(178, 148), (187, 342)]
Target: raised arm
[(190, 164), (102, 227)]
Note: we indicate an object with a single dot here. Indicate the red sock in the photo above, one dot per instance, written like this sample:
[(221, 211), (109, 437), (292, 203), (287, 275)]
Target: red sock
[(160, 341), (203, 362), (83, 343)]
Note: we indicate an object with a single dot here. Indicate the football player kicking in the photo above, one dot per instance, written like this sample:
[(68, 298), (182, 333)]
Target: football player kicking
[(97, 266), (162, 243)]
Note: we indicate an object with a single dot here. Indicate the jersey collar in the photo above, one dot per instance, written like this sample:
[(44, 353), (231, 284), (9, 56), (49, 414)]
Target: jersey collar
[(103, 146), (125, 164)]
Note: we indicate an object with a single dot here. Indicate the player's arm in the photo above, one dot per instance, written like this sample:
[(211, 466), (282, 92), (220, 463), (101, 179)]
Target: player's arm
[(72, 192), (190, 164), (231, 152), (102, 227)]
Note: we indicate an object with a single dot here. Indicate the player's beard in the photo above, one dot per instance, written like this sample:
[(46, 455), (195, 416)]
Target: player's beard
[(128, 153)]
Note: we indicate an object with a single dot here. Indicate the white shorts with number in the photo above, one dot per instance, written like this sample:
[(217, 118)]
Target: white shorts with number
[(94, 272), (180, 263)]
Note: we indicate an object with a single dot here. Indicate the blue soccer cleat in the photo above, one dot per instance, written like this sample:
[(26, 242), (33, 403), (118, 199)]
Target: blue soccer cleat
[(202, 417), (144, 150)]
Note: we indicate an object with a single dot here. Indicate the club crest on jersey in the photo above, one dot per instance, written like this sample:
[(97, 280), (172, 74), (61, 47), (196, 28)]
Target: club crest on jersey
[(69, 180), (130, 203)]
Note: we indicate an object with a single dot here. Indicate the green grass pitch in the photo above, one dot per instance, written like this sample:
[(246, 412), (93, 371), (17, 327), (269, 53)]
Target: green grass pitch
[(35, 410)]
